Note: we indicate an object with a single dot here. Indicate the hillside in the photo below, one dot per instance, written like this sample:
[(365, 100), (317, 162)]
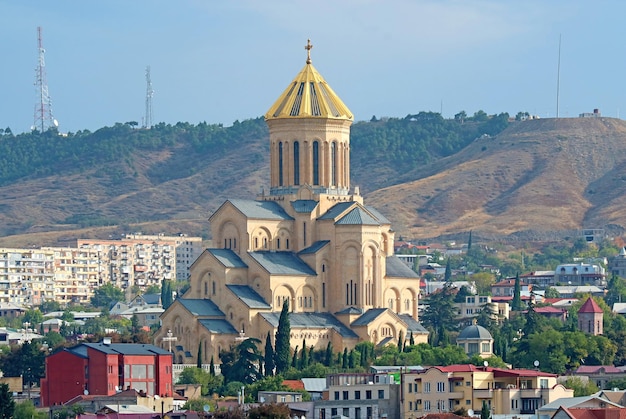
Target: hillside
[(534, 179), (430, 176)]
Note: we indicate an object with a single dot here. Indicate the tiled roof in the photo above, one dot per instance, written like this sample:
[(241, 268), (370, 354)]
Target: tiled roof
[(303, 205), (250, 297), (228, 258), (314, 247), (312, 321), (220, 326), (282, 263), (590, 306), (358, 216), (368, 317), (594, 369), (294, 384), (265, 210), (200, 307), (398, 269)]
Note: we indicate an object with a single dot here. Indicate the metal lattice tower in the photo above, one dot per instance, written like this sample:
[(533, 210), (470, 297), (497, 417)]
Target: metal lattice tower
[(149, 93), (43, 108)]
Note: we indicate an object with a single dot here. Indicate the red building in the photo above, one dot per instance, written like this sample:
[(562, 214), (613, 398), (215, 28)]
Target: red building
[(104, 369)]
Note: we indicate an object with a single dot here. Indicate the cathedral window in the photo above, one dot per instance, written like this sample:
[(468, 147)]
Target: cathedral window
[(391, 303), (206, 289), (323, 294), (256, 242), (278, 244), (280, 164), (213, 287), (299, 301), (316, 163), (287, 244), (296, 163), (407, 304), (265, 242), (333, 164)]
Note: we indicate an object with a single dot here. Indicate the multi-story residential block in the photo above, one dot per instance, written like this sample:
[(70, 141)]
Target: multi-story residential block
[(104, 369), (26, 276), (506, 288), (474, 304), (144, 260), (362, 395), (580, 274), (78, 272), (506, 392)]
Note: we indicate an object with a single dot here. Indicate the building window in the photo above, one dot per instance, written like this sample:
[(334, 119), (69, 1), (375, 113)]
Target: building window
[(441, 387), (357, 395), (427, 405), (486, 347), (333, 411), (426, 387), (316, 163), (368, 394), (410, 388), (336, 395), (468, 402), (296, 163), (345, 395), (381, 394), (280, 164), (278, 244), (346, 412)]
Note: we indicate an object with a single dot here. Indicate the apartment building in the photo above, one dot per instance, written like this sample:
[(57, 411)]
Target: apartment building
[(26, 276), (360, 395), (474, 304), (506, 392), (78, 272)]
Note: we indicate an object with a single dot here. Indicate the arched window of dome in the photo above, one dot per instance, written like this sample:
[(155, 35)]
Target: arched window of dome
[(316, 163), (280, 164), (296, 163), (333, 164)]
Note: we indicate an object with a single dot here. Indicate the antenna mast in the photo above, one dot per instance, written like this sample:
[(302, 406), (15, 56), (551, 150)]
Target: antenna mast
[(43, 109), (149, 94)]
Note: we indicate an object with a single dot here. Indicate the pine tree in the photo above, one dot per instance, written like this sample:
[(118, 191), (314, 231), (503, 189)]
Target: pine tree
[(7, 404), (283, 333), (269, 356)]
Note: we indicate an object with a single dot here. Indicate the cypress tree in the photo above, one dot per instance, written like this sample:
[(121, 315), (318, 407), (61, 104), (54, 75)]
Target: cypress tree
[(294, 360), (352, 359), (212, 367), (329, 355), (469, 242), (411, 340), (304, 359), (484, 412), (269, 356), (166, 294), (344, 360), (517, 295), (282, 340), (199, 361), (400, 341), (448, 273)]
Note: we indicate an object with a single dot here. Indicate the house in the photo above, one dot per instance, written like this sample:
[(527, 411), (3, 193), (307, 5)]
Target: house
[(594, 401), (542, 279), (360, 395), (580, 274), (279, 396), (552, 312), (601, 374), (581, 413), (618, 264), (474, 304), (130, 399), (104, 369), (505, 391), (506, 287)]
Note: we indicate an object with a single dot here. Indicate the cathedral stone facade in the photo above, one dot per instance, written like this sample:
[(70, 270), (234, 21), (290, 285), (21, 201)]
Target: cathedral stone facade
[(311, 241)]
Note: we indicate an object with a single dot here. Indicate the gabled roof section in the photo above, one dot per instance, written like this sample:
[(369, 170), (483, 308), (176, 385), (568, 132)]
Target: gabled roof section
[(350, 310), (261, 210), (304, 205), (358, 216), (336, 210), (381, 218), (314, 248), (412, 324), (248, 296), (398, 269), (228, 258), (282, 263), (309, 96), (312, 321), (368, 317), (590, 306), (200, 307), (218, 326)]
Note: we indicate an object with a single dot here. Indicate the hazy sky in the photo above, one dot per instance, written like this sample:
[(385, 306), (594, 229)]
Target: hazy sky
[(221, 61)]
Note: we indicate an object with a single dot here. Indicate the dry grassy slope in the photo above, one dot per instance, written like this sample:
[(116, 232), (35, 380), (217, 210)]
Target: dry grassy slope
[(549, 174)]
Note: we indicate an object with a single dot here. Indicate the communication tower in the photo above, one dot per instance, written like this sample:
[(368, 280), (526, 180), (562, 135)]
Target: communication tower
[(43, 108), (149, 93)]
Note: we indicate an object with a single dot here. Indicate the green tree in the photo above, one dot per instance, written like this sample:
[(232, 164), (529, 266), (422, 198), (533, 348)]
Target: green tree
[(269, 356), (484, 411), (440, 314), (469, 242), (551, 292), (282, 341), (304, 358), (33, 317), (166, 294), (197, 405), (210, 383), (199, 356), (7, 404), (400, 342), (269, 411), (27, 410), (517, 295), (239, 364), (344, 359), (447, 275), (106, 295), (580, 387), (328, 358)]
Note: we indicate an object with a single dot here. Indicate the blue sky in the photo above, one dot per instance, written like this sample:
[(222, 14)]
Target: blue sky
[(221, 61)]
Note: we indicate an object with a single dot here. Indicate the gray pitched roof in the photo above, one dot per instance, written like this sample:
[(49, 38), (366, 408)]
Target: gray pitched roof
[(304, 205), (368, 316), (200, 307), (312, 321), (265, 210), (350, 310), (358, 216), (220, 326), (413, 325), (398, 269), (153, 298), (282, 263), (336, 210), (314, 247), (381, 218), (119, 348), (250, 297), (228, 258)]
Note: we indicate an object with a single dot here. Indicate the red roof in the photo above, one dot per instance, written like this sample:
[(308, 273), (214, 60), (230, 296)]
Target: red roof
[(605, 413), (548, 310), (590, 306), (593, 369), (294, 384)]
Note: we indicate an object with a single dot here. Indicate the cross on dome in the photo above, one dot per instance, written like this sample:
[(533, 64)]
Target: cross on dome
[(308, 48)]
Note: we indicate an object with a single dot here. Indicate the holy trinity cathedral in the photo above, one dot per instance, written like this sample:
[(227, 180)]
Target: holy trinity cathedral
[(310, 241)]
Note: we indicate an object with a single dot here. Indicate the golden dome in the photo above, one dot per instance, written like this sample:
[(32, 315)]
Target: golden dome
[(309, 96)]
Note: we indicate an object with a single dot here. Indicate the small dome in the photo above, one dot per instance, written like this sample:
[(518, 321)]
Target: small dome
[(474, 332)]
